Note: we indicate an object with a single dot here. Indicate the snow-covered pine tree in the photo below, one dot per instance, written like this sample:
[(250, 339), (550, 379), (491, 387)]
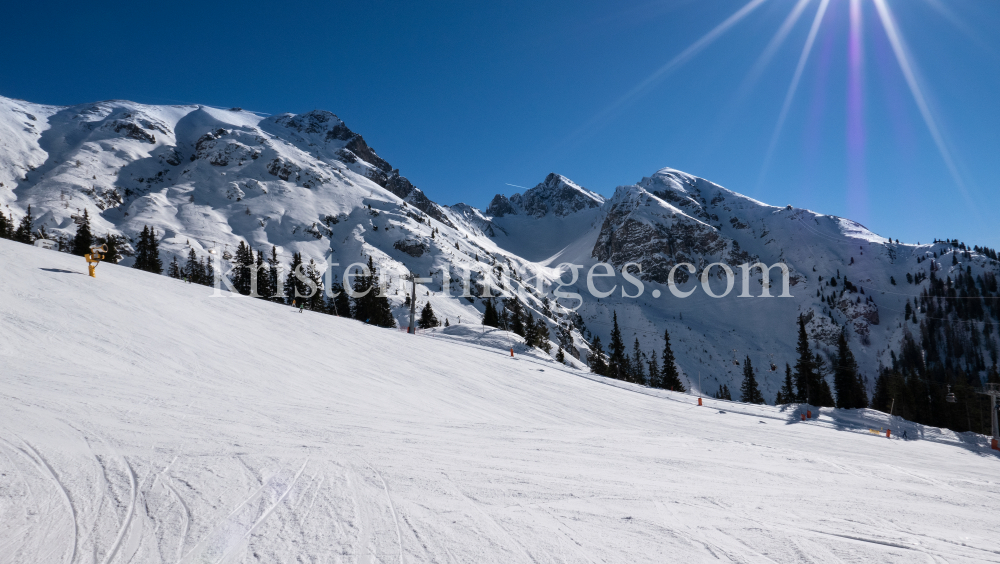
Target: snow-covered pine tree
[(84, 238), (670, 378), (560, 356)]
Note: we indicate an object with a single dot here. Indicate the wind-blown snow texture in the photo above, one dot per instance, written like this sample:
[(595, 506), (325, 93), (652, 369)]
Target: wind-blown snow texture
[(209, 178), (144, 421)]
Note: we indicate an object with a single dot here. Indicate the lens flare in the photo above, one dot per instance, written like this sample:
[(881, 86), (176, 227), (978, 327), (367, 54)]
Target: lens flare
[(684, 56), (900, 50), (857, 191), (772, 47), (806, 49)]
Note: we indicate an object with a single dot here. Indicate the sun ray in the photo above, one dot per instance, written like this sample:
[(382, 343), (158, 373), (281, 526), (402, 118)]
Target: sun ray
[(900, 50), (960, 25), (806, 49), (856, 182), (684, 56), (772, 47)]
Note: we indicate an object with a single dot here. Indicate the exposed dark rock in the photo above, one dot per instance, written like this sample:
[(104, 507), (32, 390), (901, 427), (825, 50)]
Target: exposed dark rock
[(282, 168), (500, 206), (133, 131), (413, 248), (358, 146), (404, 189)]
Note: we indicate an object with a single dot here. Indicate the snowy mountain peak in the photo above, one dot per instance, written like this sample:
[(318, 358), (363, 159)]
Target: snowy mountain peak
[(556, 194)]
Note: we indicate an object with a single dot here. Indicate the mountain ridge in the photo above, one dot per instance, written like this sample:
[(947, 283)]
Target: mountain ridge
[(208, 178)]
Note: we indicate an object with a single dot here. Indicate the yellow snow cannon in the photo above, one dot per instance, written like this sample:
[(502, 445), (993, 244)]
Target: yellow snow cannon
[(94, 257)]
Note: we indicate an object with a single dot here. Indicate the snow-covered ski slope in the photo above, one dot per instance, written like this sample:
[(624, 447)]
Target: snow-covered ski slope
[(143, 421)]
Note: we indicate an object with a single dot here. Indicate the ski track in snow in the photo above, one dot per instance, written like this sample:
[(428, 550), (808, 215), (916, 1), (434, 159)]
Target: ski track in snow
[(229, 435)]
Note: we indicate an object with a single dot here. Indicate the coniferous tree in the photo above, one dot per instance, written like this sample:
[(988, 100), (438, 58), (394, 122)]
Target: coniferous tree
[(427, 317), (542, 335), (262, 272), (824, 397), (598, 363), (295, 288), (847, 383), (174, 269), (274, 279), (516, 318), (155, 264), (142, 250), (749, 392), (560, 356), (670, 378), (193, 270), (242, 268), (723, 393), (339, 304), (637, 370), (112, 241), (806, 381), (25, 230), (315, 300), (84, 238), (148, 252), (787, 392), (209, 272), (372, 307), (654, 372), (6, 227), (530, 331), (490, 317), (617, 361)]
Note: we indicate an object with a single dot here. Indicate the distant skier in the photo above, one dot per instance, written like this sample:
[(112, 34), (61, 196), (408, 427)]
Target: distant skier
[(904, 435)]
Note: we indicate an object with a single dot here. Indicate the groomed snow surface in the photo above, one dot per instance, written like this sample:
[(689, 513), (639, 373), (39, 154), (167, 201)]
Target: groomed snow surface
[(144, 421)]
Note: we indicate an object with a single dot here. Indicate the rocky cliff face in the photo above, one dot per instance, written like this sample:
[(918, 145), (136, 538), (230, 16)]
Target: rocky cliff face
[(556, 195)]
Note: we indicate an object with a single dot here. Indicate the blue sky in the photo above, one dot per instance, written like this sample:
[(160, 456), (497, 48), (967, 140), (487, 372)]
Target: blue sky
[(468, 97)]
